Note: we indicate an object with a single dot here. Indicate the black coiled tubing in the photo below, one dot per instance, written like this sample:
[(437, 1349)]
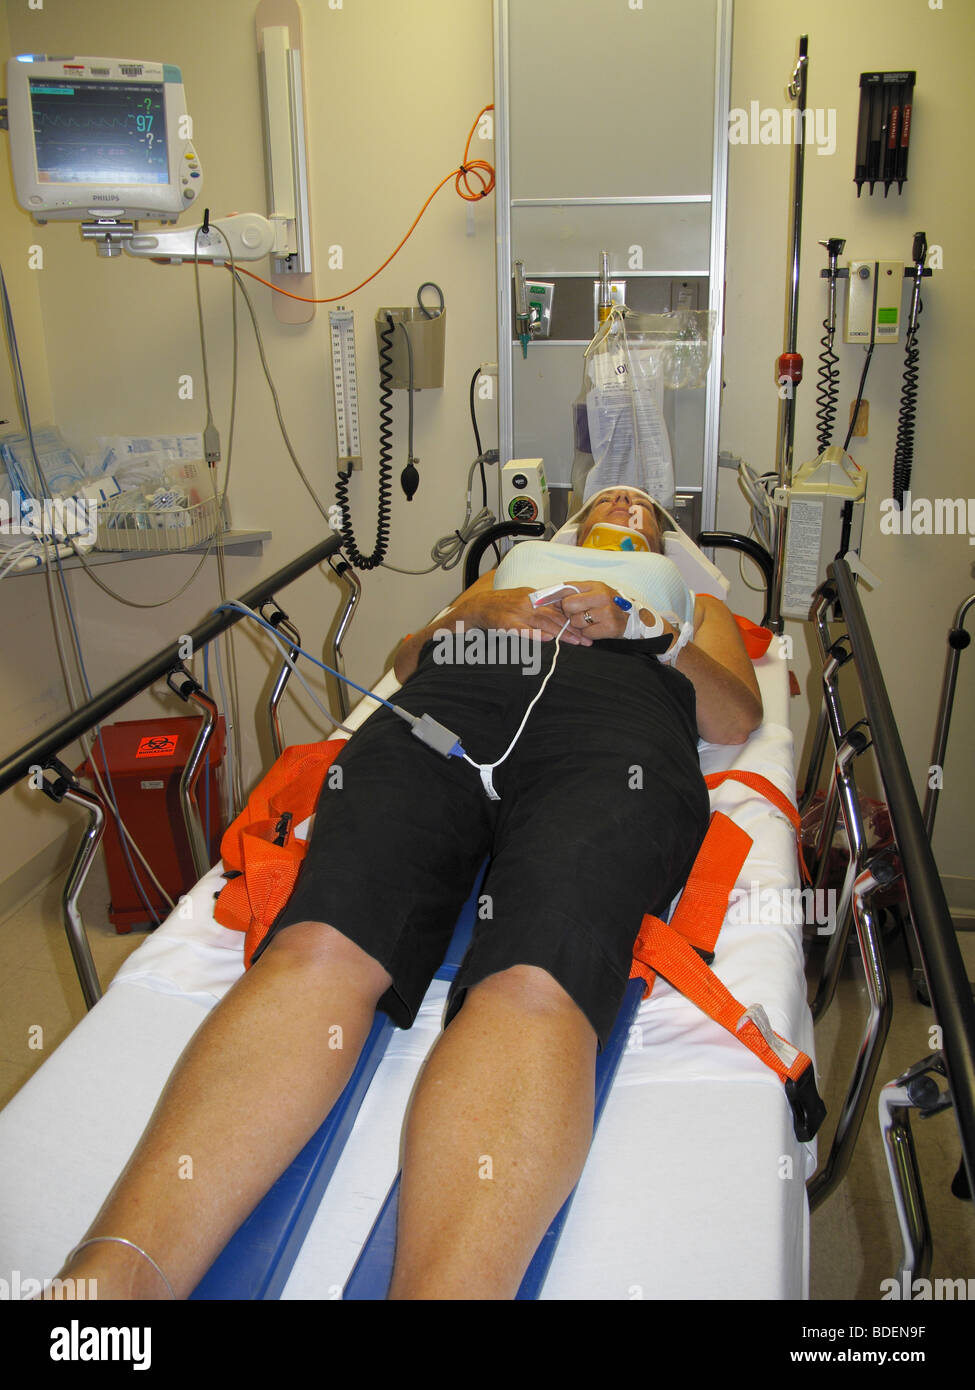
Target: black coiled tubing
[(351, 550), (827, 392), (904, 446)]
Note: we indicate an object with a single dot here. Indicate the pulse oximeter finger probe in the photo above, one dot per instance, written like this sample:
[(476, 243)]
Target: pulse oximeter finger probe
[(542, 597)]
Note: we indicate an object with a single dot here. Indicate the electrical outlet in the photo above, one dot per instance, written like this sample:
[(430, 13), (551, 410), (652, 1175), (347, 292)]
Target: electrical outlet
[(683, 294)]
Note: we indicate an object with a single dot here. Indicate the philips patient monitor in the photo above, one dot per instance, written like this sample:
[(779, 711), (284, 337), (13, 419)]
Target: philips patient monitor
[(100, 138)]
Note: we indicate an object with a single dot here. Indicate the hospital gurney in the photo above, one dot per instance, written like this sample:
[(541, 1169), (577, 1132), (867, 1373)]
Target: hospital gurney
[(696, 1132)]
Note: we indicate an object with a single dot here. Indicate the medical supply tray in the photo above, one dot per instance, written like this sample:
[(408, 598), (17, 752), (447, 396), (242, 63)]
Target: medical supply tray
[(179, 513)]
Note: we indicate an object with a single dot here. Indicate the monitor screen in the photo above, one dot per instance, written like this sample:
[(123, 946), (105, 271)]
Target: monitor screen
[(100, 139), (99, 132)]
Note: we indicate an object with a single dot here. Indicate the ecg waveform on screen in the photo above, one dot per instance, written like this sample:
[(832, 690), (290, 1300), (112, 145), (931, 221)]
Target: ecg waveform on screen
[(57, 121)]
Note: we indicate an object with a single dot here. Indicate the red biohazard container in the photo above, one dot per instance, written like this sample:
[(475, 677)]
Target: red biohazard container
[(146, 758)]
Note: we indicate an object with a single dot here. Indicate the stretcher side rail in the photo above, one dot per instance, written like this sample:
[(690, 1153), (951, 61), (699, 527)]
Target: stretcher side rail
[(472, 564), (950, 993), (58, 736), (731, 540), (44, 750)]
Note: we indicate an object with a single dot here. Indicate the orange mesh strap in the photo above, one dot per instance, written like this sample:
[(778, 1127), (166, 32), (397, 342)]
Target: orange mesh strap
[(260, 848), (233, 907), (292, 783)]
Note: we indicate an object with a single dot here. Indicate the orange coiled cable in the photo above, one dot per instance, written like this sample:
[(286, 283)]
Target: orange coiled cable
[(476, 168)]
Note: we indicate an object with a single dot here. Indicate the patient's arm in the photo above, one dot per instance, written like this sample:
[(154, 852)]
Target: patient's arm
[(729, 705)]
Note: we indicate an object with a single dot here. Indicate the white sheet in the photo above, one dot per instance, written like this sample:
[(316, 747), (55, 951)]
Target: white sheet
[(695, 1186)]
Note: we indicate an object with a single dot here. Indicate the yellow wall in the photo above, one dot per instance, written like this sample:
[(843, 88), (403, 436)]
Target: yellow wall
[(392, 92), (31, 687), (924, 578), (393, 88)]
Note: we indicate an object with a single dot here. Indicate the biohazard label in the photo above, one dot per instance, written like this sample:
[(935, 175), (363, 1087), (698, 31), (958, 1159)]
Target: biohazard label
[(157, 745)]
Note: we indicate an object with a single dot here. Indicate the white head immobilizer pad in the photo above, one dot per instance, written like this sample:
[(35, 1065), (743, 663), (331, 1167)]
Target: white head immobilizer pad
[(697, 571)]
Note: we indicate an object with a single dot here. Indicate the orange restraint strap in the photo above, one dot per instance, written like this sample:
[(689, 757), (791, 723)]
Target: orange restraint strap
[(260, 853), (674, 950)]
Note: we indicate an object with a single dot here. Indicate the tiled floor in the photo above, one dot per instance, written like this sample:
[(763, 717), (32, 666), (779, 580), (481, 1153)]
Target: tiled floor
[(40, 998), (856, 1240), (855, 1236)]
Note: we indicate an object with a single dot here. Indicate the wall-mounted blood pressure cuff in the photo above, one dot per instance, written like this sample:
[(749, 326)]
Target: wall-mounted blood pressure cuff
[(677, 646)]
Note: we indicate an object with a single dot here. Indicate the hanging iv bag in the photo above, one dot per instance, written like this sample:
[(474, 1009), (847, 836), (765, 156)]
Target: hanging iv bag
[(620, 430)]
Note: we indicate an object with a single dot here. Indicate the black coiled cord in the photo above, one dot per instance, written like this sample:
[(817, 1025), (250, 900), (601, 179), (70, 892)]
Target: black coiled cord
[(827, 392), (352, 552), (904, 446)]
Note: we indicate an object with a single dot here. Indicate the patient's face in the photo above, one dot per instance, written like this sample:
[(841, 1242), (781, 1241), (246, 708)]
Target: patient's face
[(614, 507)]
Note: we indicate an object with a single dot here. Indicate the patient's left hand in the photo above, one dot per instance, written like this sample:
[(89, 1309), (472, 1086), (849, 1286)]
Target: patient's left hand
[(596, 599)]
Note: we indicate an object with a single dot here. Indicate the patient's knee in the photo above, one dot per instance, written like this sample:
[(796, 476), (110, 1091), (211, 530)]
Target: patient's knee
[(314, 946), (527, 988)]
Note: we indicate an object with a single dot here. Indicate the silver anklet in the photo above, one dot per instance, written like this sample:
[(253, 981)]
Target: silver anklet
[(120, 1240)]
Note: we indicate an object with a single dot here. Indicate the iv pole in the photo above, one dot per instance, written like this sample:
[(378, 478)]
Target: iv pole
[(790, 362)]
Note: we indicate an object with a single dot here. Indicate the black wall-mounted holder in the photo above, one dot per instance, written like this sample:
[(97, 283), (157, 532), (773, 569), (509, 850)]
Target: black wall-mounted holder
[(884, 129)]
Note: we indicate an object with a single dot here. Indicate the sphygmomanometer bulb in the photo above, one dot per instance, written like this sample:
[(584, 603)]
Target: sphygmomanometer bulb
[(409, 480)]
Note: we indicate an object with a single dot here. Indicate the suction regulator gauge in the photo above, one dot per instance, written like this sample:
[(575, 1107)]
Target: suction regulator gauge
[(522, 509)]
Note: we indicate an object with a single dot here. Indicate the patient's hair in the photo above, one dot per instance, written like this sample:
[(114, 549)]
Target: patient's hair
[(659, 516)]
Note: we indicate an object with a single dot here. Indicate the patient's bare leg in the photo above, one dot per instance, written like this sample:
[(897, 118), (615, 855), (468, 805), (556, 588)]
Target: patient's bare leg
[(252, 1087), (497, 1136)]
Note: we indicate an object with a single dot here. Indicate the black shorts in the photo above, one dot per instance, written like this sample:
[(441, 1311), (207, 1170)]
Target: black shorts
[(603, 808)]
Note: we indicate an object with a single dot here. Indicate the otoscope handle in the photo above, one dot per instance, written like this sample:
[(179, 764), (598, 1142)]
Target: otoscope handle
[(919, 252)]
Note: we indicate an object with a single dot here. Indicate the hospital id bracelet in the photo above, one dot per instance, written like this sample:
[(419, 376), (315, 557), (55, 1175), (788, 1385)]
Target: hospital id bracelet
[(679, 643)]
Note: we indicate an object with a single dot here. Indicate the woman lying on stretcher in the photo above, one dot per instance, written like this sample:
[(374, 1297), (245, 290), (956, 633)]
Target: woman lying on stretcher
[(591, 816)]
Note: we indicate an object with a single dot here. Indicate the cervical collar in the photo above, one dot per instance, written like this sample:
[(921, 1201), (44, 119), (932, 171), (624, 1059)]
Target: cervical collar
[(697, 571), (606, 536)]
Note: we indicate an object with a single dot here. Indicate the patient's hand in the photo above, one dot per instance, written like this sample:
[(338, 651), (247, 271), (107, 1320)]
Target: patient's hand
[(595, 599), (509, 610), (483, 606)]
